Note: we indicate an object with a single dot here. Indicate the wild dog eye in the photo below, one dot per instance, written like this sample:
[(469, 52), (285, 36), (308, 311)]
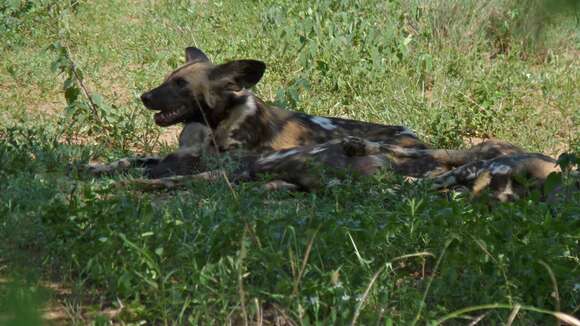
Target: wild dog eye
[(180, 82)]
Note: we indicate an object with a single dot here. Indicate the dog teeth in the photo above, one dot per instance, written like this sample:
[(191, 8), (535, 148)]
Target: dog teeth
[(169, 117)]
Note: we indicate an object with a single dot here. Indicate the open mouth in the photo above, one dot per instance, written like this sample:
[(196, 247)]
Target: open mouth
[(168, 118)]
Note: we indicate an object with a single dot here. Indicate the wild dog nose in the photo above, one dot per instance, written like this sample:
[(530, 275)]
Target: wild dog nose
[(146, 98)]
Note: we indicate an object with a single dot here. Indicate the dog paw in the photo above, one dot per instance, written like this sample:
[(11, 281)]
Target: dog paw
[(91, 169)]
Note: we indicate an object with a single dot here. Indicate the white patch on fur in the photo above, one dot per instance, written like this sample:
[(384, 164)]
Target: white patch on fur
[(238, 115), (498, 168), (471, 173), (277, 156), (317, 149), (325, 123), (276, 185), (508, 193), (247, 109), (119, 165), (408, 132), (333, 182)]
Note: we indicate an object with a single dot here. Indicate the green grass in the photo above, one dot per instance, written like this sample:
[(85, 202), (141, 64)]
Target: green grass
[(377, 250)]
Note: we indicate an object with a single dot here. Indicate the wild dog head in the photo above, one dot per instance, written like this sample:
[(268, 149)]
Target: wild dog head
[(200, 91)]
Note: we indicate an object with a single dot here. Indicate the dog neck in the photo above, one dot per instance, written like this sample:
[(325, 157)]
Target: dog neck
[(249, 125)]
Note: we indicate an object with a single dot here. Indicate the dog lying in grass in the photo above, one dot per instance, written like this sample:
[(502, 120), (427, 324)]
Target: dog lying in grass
[(223, 117)]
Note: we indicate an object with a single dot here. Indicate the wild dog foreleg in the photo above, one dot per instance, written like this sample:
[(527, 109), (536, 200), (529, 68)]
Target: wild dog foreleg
[(182, 162), (122, 165), (173, 182)]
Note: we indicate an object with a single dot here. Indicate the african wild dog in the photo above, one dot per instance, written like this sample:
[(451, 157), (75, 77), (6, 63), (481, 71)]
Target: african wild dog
[(218, 97), (221, 115)]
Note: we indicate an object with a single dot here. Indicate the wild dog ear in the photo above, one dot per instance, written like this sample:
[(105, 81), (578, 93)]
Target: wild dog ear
[(195, 55), (246, 73)]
